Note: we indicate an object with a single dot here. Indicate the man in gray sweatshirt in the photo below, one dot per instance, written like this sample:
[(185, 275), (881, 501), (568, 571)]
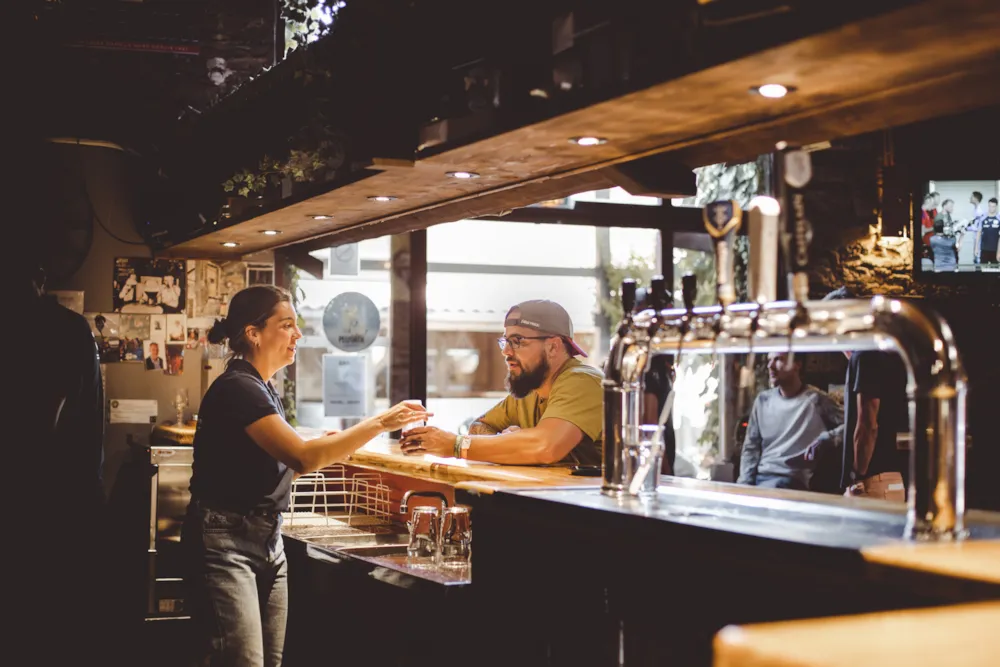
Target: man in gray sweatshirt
[(784, 422)]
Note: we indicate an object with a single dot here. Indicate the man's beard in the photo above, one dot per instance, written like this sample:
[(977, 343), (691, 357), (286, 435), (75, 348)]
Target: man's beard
[(527, 381)]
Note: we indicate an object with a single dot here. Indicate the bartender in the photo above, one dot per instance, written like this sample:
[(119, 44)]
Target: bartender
[(554, 411)]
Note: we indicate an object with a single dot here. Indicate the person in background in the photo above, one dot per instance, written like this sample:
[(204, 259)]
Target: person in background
[(554, 412), (245, 456), (978, 210), (988, 234), (64, 408), (943, 249), (876, 410), (927, 215), (170, 294), (786, 422), (154, 361)]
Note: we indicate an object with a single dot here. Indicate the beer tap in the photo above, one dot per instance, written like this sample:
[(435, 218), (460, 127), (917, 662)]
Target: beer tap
[(762, 279), (795, 171), (628, 305), (722, 221)]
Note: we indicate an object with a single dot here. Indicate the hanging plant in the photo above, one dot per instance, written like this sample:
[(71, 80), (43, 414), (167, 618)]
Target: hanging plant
[(308, 20)]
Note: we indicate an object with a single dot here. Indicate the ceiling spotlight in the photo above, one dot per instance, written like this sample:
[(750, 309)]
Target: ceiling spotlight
[(381, 198), (588, 141), (321, 217), (463, 174), (772, 91), (270, 232), (230, 244)]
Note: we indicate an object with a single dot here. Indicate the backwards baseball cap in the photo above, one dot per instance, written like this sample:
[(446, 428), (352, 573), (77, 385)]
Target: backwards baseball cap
[(544, 316)]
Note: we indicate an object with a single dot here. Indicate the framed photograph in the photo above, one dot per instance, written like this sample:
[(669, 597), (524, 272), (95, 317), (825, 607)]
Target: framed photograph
[(134, 330), (176, 328), (150, 286)]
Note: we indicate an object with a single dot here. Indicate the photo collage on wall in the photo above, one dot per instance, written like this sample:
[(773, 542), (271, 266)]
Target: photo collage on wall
[(212, 287), (149, 325)]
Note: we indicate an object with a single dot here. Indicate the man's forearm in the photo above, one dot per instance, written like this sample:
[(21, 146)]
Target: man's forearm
[(864, 447), (749, 460), (525, 446), (479, 428)]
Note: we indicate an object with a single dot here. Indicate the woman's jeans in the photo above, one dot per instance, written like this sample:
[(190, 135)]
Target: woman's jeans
[(238, 583)]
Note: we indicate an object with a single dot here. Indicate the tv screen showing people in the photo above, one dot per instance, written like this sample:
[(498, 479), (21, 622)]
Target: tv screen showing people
[(959, 227)]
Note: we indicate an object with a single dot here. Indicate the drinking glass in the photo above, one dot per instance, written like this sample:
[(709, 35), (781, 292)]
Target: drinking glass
[(642, 457), (425, 523), (456, 537), (416, 403), (180, 402)]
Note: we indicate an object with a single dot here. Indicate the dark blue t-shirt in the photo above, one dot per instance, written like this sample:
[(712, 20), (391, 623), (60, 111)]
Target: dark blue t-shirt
[(230, 470), (880, 375), (990, 234)]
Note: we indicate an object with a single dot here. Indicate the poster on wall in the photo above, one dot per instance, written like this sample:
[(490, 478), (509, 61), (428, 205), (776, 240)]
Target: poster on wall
[(344, 385), (154, 355), (176, 328), (175, 359), (149, 286), (155, 346), (106, 330), (134, 332)]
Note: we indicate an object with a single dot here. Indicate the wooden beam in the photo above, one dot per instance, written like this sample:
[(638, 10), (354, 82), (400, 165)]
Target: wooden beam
[(303, 260)]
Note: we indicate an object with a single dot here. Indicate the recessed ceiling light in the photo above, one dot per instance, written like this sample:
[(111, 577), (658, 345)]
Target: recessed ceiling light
[(588, 141), (463, 174), (270, 232), (773, 91), (381, 198), (230, 244), (321, 217)]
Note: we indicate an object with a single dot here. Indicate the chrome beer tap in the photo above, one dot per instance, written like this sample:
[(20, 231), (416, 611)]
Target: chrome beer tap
[(722, 221), (795, 170), (762, 279)]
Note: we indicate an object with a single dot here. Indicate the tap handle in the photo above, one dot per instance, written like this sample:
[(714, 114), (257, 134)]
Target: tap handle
[(628, 296), (795, 169), (689, 289), (722, 220), (658, 293)]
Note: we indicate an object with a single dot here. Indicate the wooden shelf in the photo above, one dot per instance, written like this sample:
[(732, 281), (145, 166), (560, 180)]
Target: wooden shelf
[(927, 60)]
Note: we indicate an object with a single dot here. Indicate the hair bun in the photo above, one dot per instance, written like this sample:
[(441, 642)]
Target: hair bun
[(218, 332)]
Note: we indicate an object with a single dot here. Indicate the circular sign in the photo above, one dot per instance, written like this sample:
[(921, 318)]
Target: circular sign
[(351, 322)]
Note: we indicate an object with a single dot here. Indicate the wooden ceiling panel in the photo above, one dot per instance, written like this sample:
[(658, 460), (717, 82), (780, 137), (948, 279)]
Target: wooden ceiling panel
[(928, 60)]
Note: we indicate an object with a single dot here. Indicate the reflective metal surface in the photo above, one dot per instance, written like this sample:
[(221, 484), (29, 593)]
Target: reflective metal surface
[(830, 521), (936, 387), (372, 551)]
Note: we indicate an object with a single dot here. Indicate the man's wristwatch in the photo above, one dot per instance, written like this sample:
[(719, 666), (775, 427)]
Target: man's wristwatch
[(462, 444)]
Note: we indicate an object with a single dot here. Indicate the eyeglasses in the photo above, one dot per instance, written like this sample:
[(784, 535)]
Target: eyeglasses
[(517, 341)]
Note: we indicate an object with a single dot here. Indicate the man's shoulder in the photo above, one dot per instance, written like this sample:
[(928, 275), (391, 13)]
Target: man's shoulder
[(579, 368)]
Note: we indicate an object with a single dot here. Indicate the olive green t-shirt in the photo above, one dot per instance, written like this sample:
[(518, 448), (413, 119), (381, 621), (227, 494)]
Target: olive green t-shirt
[(576, 397)]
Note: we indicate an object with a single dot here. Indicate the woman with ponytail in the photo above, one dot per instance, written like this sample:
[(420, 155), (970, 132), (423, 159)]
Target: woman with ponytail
[(245, 457)]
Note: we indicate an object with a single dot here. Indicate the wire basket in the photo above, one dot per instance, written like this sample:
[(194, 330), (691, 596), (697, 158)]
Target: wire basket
[(332, 496)]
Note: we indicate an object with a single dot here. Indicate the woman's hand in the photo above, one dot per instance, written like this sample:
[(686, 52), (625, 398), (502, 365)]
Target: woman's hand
[(402, 414)]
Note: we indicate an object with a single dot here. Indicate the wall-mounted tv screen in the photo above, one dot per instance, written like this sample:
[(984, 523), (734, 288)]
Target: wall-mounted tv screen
[(959, 228)]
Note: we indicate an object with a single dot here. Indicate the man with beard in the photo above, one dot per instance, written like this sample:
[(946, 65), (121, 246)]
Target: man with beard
[(554, 412)]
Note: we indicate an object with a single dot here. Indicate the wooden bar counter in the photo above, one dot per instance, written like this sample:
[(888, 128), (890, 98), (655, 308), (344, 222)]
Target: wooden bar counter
[(957, 635)]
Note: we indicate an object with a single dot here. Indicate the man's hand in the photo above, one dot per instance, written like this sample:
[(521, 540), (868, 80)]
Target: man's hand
[(428, 439), (510, 429), (817, 445)]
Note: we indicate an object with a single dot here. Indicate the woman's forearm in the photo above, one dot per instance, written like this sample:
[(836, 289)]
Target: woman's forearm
[(328, 449)]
